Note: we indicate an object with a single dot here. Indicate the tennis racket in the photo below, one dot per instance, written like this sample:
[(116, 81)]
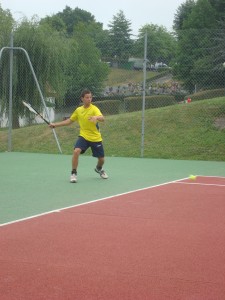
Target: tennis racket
[(35, 111)]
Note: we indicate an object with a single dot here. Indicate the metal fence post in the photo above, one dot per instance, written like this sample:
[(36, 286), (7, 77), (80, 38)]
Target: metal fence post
[(10, 93), (11, 48), (143, 99)]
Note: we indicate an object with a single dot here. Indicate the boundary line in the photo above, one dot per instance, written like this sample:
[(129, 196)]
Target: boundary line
[(85, 203), (110, 197), (206, 184)]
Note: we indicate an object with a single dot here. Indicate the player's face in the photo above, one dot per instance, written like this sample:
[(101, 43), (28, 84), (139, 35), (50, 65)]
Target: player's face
[(87, 100)]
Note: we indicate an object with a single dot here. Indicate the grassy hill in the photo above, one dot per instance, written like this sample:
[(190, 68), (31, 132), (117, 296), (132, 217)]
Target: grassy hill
[(121, 76), (182, 131)]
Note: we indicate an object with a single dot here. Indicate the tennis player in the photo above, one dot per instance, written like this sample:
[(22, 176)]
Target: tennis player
[(88, 116)]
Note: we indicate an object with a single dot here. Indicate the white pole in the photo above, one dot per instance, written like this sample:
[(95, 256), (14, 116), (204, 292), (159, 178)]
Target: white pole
[(40, 92), (10, 93), (38, 87), (143, 99)]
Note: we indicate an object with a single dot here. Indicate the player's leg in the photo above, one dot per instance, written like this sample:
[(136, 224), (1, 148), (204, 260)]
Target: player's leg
[(99, 168), (75, 159), (100, 162), (80, 147), (98, 152)]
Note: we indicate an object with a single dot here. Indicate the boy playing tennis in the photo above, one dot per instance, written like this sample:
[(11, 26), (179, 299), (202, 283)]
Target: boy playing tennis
[(88, 116)]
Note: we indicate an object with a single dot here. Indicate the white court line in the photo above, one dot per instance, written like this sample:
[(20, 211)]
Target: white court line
[(106, 198), (198, 183), (204, 184), (211, 176), (85, 203)]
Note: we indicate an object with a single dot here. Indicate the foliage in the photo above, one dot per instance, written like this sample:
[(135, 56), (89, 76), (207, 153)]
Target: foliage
[(182, 14), (55, 22), (136, 103), (86, 69), (48, 58), (63, 66), (161, 45), (6, 25), (99, 36), (202, 16), (120, 36), (68, 51), (218, 53), (109, 107), (207, 94), (195, 64), (72, 17), (69, 21), (219, 6)]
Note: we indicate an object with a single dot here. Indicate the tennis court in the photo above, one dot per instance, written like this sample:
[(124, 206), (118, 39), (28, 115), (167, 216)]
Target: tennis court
[(147, 232)]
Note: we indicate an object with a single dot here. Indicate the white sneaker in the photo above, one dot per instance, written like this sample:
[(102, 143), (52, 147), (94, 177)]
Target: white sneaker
[(102, 173), (73, 178)]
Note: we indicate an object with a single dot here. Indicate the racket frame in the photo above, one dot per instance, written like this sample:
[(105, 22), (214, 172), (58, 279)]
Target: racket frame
[(33, 110)]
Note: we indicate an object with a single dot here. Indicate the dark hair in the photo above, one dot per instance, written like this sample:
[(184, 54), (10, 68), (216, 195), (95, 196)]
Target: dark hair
[(84, 92)]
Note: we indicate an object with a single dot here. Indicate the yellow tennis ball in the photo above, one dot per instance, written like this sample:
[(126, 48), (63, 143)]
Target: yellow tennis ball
[(192, 177)]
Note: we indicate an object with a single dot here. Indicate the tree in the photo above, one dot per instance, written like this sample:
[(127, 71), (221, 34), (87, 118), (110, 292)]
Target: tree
[(68, 21), (71, 17), (182, 14), (161, 45), (195, 41), (120, 36), (219, 6), (95, 31), (55, 22), (217, 52), (86, 69), (202, 16), (6, 25), (49, 56), (64, 65)]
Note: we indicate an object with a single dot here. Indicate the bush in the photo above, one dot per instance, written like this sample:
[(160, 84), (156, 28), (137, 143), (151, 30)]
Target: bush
[(135, 103), (109, 107), (207, 94), (179, 97), (106, 98)]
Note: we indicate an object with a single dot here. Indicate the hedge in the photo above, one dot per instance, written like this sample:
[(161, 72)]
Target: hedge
[(135, 103), (207, 94), (109, 107)]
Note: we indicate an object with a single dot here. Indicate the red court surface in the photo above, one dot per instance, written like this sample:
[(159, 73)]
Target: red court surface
[(164, 242)]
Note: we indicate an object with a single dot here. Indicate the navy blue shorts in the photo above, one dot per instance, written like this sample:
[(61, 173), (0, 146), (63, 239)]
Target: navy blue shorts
[(96, 147)]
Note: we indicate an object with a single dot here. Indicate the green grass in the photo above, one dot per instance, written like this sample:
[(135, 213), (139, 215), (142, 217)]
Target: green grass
[(121, 76), (182, 131)]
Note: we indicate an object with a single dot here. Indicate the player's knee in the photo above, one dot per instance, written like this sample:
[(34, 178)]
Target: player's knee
[(101, 160), (77, 151)]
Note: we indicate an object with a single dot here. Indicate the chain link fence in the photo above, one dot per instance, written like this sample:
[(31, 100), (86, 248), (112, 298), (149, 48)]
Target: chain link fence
[(179, 115)]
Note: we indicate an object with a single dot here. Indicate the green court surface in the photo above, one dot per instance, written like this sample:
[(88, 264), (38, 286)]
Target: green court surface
[(32, 184)]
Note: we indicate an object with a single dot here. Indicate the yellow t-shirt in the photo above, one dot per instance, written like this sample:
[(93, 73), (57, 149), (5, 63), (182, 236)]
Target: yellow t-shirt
[(88, 130)]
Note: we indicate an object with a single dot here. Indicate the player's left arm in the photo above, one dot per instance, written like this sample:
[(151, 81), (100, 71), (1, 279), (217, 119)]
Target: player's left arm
[(97, 115), (95, 119)]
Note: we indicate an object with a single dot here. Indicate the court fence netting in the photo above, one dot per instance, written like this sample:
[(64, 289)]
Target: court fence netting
[(158, 102)]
